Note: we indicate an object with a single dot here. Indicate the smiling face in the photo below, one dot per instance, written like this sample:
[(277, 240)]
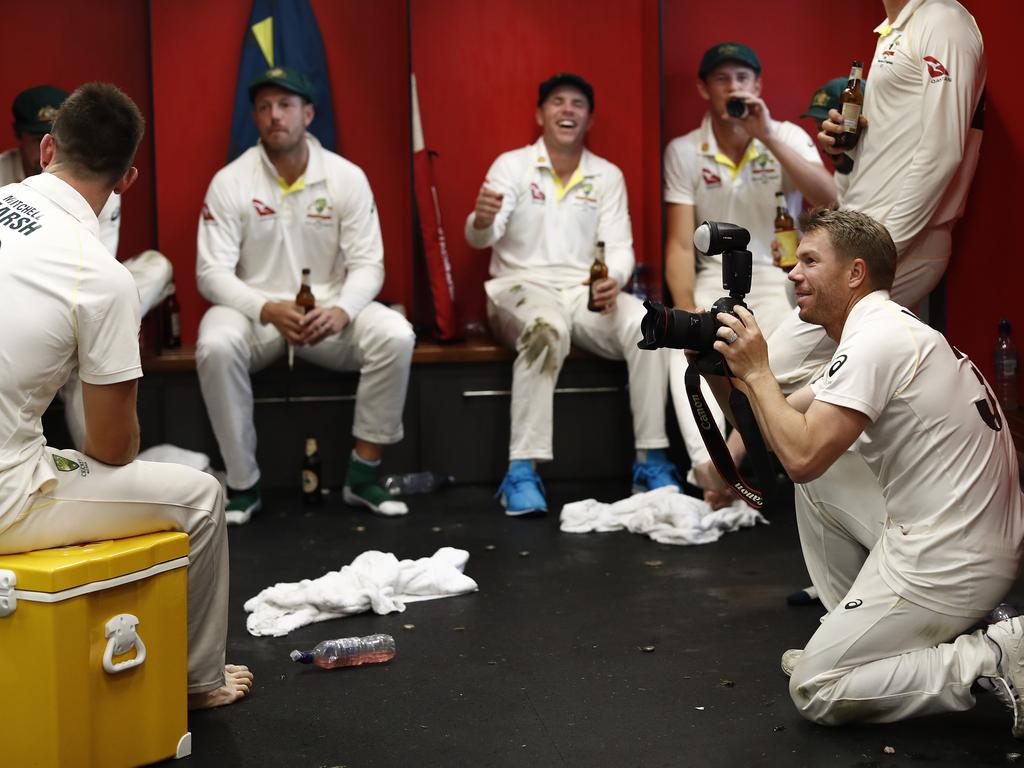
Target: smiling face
[(728, 79), (281, 118), (822, 280), (564, 118)]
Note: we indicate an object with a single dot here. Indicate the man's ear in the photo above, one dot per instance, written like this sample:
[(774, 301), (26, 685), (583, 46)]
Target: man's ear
[(540, 118), (858, 273), (308, 113), (702, 89), (47, 149), (126, 181)]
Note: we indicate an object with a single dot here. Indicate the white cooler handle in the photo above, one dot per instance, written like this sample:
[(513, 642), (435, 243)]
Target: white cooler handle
[(121, 638)]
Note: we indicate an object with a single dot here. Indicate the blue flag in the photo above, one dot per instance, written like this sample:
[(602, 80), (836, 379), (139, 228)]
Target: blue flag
[(281, 33)]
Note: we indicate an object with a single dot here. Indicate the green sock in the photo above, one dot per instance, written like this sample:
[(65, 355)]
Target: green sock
[(361, 479)]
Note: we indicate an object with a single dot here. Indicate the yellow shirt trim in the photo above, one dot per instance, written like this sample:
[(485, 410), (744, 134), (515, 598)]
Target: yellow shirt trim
[(734, 170), (562, 189), (297, 186)]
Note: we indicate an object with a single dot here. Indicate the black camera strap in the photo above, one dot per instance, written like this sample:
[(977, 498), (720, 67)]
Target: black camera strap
[(715, 443)]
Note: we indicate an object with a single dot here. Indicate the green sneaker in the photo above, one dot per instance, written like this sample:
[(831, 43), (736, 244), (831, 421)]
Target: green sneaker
[(362, 489), (241, 505)]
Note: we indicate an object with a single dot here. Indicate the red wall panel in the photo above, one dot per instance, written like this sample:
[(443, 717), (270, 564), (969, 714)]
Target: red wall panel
[(985, 279), (195, 55), (477, 69), (93, 41)]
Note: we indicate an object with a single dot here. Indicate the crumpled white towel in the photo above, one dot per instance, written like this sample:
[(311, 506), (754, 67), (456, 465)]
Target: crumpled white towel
[(664, 514), (172, 454), (374, 580)]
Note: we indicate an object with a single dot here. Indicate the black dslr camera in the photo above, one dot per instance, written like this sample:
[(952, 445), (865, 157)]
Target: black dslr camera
[(679, 329)]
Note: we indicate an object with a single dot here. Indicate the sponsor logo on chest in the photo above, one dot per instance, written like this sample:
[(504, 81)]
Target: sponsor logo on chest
[(262, 208), (711, 179), (319, 211)]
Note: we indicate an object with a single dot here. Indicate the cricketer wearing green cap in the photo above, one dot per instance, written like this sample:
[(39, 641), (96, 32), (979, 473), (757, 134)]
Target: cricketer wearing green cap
[(33, 110), (731, 168)]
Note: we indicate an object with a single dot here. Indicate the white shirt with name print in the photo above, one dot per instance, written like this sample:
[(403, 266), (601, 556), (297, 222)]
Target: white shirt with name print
[(66, 302), (942, 451), (12, 171), (915, 161), (698, 174), (256, 236), (549, 230)]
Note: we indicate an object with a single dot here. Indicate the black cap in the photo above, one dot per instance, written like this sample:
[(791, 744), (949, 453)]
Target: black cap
[(287, 78), (721, 52), (35, 107), (565, 78)]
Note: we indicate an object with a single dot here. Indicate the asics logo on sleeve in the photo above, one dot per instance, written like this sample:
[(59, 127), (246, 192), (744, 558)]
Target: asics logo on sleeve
[(836, 365), (853, 604)]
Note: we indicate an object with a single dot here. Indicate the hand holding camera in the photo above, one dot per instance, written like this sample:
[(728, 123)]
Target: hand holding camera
[(679, 329)]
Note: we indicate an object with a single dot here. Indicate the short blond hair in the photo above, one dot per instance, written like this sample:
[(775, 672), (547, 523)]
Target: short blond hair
[(856, 236)]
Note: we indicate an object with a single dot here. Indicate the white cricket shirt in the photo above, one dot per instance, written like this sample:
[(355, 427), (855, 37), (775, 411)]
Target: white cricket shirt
[(66, 302), (11, 172), (255, 237), (942, 452), (698, 174), (548, 229), (915, 161)]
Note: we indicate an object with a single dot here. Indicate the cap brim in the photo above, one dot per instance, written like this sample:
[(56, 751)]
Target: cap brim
[(816, 114), (37, 127)]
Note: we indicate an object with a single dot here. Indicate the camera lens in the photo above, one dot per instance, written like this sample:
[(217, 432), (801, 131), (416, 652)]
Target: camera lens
[(676, 328), (736, 107)]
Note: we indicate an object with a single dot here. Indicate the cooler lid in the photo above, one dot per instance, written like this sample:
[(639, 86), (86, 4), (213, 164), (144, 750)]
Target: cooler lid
[(54, 570)]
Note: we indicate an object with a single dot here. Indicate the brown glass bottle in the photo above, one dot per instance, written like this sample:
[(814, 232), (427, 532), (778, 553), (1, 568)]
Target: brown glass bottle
[(851, 102), (598, 271), (312, 493), (171, 321), (785, 233), (304, 298), (842, 163)]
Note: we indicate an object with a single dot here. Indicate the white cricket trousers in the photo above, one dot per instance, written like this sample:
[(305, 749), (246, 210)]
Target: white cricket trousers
[(378, 343), (153, 274), (876, 657), (769, 301), (98, 502), (541, 322), (797, 351)]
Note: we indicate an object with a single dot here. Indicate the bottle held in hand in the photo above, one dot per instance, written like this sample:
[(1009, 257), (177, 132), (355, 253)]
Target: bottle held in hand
[(598, 271), (304, 298), (785, 233), (851, 102), (172, 321)]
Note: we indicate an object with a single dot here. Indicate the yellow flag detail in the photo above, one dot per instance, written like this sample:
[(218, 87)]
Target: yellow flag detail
[(263, 31)]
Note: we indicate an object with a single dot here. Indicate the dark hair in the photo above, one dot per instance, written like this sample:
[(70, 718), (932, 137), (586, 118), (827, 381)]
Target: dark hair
[(856, 236), (569, 79), (97, 130)]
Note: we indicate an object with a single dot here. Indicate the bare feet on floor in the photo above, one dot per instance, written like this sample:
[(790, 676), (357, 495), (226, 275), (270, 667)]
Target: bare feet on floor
[(237, 684)]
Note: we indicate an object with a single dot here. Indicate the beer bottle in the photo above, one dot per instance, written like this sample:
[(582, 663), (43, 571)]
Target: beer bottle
[(785, 233), (850, 104), (311, 491), (842, 163), (304, 298), (172, 321), (598, 271)]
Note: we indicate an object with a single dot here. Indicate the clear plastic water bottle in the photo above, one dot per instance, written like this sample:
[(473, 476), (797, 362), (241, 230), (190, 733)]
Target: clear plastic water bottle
[(416, 482), (348, 652), (1001, 612), (1005, 359)]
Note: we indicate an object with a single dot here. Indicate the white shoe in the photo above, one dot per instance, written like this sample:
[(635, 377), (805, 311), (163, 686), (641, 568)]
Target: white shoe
[(242, 516), (789, 660), (1009, 636)]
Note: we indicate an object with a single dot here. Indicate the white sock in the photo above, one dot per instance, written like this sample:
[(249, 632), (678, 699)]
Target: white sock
[(367, 462)]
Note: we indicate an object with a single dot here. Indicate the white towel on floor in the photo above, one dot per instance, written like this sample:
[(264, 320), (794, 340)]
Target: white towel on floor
[(665, 514), (375, 581)]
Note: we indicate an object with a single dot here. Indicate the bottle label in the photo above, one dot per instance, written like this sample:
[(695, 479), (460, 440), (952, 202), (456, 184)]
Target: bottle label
[(851, 115), (855, 73), (175, 324), (787, 248), (1006, 367), (310, 481)]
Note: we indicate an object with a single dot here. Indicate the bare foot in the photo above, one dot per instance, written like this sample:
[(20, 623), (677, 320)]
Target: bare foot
[(237, 684)]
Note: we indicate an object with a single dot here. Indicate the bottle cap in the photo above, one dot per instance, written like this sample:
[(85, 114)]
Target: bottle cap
[(1005, 327), (305, 270), (303, 657)]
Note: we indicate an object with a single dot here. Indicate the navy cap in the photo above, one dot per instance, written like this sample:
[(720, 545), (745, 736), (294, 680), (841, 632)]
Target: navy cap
[(35, 108), (287, 78), (565, 78), (722, 52)]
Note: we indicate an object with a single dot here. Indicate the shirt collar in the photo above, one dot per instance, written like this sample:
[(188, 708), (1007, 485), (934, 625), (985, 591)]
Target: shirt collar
[(66, 197), (873, 299), (314, 165), (541, 158), (886, 27)]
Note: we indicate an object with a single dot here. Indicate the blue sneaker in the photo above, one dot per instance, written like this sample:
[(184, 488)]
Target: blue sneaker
[(522, 492), (656, 472)]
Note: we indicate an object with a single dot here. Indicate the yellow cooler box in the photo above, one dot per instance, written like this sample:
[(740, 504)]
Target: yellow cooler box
[(93, 645)]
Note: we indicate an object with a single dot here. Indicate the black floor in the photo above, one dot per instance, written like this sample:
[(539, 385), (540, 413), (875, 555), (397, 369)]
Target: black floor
[(543, 666)]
